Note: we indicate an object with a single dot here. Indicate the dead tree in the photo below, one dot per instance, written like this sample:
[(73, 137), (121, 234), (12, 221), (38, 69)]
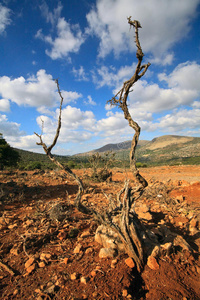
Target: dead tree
[(120, 217), (121, 102), (130, 226), (47, 150)]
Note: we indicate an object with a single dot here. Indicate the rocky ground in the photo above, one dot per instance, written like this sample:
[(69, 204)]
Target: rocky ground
[(49, 250)]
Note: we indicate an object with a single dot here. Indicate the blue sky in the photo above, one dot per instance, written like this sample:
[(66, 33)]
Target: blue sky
[(89, 47)]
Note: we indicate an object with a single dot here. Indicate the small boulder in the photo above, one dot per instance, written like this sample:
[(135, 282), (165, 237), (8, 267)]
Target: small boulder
[(93, 273), (29, 262), (180, 241), (107, 252), (85, 234), (74, 276), (152, 263), (166, 248), (78, 249), (84, 279), (66, 260), (143, 212), (194, 222), (41, 264), (30, 269), (130, 262)]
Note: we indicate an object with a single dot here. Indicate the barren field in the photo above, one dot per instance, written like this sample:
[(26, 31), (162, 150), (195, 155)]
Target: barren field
[(48, 250)]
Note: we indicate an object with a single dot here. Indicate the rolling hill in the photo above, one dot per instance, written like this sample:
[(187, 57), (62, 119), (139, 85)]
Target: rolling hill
[(164, 150), (167, 149)]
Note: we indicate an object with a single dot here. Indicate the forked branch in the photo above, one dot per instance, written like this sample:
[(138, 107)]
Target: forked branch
[(120, 100), (47, 150), (120, 218)]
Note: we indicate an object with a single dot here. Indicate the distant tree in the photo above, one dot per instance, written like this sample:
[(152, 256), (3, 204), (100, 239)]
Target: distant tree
[(33, 166), (8, 156)]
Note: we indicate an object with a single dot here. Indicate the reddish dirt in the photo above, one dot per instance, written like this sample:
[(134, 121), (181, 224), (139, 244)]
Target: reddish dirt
[(27, 229)]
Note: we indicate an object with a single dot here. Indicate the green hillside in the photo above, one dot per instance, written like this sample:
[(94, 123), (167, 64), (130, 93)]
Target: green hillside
[(164, 150)]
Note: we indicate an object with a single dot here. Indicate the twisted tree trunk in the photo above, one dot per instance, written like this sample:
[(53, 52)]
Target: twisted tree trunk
[(128, 226)]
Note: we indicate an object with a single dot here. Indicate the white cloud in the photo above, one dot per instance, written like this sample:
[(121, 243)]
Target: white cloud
[(90, 101), (44, 110), (196, 104), (112, 125), (9, 129), (164, 24), (70, 96), (4, 18), (51, 17), (110, 76), (182, 88), (80, 74), (26, 142), (181, 120), (164, 60), (185, 76), (35, 91), (68, 37), (68, 40), (74, 118), (4, 105), (77, 125)]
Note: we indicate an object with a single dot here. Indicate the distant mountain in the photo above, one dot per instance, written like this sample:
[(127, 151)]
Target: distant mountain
[(113, 147), (161, 150), (164, 150), (168, 140)]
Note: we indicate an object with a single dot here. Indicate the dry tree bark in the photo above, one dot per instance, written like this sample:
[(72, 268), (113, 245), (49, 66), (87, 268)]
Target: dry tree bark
[(47, 150), (120, 216), (122, 101), (130, 224)]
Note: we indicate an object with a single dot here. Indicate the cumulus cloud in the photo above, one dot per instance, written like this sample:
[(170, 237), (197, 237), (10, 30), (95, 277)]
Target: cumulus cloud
[(110, 76), (185, 76), (26, 142), (4, 105), (70, 96), (89, 101), (77, 125), (114, 124), (181, 120), (177, 102), (4, 18), (68, 38), (74, 118), (163, 25), (148, 98), (35, 91), (9, 129)]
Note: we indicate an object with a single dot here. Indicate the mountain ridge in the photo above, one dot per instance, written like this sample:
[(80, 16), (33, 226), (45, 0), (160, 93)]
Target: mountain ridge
[(155, 143), (163, 150)]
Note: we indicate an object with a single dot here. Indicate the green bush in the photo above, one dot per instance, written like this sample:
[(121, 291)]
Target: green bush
[(33, 165), (141, 165), (8, 156), (71, 164)]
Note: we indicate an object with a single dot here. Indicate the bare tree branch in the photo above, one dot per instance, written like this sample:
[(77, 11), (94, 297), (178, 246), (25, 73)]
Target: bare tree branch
[(122, 102), (126, 224)]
